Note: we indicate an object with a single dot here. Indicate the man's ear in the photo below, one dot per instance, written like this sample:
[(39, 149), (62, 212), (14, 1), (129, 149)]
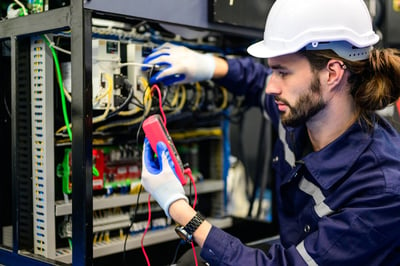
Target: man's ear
[(336, 72)]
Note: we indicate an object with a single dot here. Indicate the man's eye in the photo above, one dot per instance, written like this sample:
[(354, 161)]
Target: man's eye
[(282, 74)]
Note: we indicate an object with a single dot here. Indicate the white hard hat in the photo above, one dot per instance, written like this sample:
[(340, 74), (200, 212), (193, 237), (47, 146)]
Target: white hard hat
[(344, 26)]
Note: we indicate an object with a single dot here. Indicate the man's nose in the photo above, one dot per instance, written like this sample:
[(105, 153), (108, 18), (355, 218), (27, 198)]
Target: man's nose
[(272, 86)]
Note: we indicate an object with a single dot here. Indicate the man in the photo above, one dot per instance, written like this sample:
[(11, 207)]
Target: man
[(337, 162)]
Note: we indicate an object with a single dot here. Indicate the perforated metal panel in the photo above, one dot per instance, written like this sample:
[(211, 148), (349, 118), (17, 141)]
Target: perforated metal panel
[(42, 148)]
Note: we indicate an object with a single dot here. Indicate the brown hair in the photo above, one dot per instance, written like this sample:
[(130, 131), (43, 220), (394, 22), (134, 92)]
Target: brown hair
[(375, 83)]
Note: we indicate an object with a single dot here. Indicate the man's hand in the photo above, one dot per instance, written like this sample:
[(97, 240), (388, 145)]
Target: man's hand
[(179, 64), (158, 176)]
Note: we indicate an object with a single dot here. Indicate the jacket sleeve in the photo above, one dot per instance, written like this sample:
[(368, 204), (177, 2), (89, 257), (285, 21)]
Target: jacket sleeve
[(234, 252), (246, 77)]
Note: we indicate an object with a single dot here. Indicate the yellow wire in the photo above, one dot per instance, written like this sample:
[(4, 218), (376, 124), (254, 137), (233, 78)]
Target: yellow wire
[(133, 111), (107, 110), (63, 128), (121, 234), (145, 82), (182, 102), (174, 99), (95, 238), (147, 104), (136, 188), (201, 132), (107, 236), (198, 96), (101, 237), (224, 103), (110, 94)]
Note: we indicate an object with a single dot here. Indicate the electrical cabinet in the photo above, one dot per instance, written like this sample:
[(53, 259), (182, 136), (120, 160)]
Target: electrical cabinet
[(85, 174)]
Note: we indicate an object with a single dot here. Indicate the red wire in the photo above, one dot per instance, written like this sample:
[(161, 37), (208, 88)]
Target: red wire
[(155, 86), (145, 231), (187, 171), (194, 254)]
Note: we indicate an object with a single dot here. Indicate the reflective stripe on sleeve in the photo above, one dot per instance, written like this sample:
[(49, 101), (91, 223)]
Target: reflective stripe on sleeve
[(304, 254)]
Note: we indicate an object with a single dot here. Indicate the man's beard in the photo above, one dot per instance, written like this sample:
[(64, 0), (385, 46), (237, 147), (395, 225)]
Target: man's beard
[(308, 104)]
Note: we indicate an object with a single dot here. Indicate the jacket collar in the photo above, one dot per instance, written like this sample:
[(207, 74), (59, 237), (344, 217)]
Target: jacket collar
[(334, 161)]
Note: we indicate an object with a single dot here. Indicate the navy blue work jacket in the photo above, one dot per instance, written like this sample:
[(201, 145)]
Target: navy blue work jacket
[(337, 206)]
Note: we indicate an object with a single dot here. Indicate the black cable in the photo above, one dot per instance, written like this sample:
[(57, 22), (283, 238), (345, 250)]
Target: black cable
[(6, 107), (137, 102), (137, 202), (130, 226), (181, 242), (123, 105)]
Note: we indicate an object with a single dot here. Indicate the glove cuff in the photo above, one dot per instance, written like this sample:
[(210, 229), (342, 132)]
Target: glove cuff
[(207, 67), (165, 196)]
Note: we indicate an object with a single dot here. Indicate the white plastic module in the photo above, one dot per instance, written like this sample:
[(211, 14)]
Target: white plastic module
[(105, 57)]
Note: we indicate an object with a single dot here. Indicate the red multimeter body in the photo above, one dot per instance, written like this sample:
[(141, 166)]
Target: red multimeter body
[(156, 131)]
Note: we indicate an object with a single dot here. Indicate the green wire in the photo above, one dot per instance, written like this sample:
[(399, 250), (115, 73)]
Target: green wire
[(70, 243), (64, 105), (60, 84)]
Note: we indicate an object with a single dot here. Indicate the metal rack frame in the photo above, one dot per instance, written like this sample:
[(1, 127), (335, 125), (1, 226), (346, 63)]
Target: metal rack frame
[(78, 19)]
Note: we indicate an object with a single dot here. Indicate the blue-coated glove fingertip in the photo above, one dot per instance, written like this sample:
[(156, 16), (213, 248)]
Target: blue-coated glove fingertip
[(148, 151), (144, 68), (153, 79), (171, 79), (147, 147), (161, 147), (151, 57)]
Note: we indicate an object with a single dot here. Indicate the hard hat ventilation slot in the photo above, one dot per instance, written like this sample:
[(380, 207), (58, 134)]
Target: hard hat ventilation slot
[(342, 48)]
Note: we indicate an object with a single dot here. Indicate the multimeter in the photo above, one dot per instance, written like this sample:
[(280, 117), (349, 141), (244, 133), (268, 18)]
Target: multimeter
[(156, 131)]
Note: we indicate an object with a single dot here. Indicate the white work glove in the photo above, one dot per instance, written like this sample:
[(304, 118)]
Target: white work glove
[(179, 64), (158, 176)]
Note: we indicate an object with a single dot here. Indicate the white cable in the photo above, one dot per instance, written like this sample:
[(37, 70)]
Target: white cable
[(135, 64), (22, 6), (52, 44)]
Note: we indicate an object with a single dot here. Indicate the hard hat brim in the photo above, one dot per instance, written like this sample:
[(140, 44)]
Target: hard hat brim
[(261, 50), (345, 49)]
